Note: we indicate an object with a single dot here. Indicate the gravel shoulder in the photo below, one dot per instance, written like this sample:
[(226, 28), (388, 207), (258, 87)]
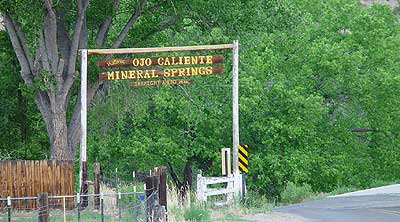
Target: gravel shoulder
[(275, 217)]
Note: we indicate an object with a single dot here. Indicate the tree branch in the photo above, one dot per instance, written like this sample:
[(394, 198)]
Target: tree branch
[(82, 6), (105, 27), (59, 74), (17, 44), (362, 130), (50, 40), (43, 53), (63, 40), (129, 24), (174, 176), (49, 7), (162, 27)]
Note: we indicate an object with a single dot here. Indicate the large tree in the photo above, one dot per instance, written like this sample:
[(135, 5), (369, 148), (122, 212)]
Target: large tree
[(47, 37)]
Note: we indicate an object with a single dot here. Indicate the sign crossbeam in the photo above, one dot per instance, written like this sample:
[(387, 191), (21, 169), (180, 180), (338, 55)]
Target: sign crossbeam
[(158, 49)]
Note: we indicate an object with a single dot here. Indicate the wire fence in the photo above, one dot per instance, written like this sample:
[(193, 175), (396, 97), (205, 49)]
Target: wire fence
[(130, 206)]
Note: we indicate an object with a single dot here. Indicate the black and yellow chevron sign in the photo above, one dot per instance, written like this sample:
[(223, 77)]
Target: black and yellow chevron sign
[(243, 156)]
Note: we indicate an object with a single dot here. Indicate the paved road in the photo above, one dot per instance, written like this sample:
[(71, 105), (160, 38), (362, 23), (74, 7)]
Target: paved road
[(374, 205)]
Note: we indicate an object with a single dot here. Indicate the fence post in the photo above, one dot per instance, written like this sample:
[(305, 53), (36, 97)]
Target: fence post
[(9, 208), (201, 188), (78, 205), (148, 190), (163, 190), (119, 205), (43, 207), (65, 213), (155, 206), (96, 185), (238, 184), (152, 203), (231, 186), (102, 206)]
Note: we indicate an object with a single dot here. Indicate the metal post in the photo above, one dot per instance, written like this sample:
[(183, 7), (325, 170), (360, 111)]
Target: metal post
[(235, 105), (243, 186), (84, 56), (9, 208)]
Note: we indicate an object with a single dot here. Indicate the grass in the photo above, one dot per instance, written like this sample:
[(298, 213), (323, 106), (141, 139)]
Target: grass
[(294, 193), (193, 211)]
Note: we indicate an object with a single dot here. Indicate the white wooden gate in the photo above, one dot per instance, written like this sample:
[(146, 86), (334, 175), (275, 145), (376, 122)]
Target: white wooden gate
[(233, 186)]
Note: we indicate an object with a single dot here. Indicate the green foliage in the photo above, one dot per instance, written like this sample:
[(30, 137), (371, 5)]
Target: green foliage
[(295, 194), (197, 212), (311, 73), (23, 133), (256, 203)]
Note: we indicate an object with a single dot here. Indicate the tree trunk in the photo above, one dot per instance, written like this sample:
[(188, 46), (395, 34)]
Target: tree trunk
[(59, 135)]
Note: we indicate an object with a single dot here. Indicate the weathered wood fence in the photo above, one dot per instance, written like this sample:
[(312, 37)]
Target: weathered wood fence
[(156, 195), (28, 178)]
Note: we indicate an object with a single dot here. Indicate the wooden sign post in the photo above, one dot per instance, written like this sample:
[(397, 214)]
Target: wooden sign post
[(199, 65)]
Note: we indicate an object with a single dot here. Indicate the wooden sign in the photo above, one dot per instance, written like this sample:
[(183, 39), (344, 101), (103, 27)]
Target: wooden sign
[(226, 161), (160, 73), (162, 61), (243, 158)]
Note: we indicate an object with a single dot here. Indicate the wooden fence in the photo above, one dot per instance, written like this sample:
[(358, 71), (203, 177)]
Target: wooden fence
[(233, 185), (28, 178)]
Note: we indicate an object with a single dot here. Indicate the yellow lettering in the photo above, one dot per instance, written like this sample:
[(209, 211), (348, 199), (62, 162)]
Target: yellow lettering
[(201, 59), (167, 62), (110, 75), (187, 71), (195, 71), (187, 60), (148, 62), (139, 74), (167, 73), (124, 74), (153, 74), (173, 58), (131, 74), (209, 59), (173, 72), (160, 61), (116, 75), (147, 74), (202, 71), (135, 62), (181, 72), (194, 59), (209, 70)]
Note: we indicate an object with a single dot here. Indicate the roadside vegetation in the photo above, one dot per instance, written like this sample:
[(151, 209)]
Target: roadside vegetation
[(319, 104), (192, 210)]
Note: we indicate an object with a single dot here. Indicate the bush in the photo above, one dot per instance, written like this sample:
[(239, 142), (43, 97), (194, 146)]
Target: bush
[(296, 194)]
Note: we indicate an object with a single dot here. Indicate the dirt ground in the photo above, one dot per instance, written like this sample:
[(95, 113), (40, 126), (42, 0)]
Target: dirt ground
[(274, 217)]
